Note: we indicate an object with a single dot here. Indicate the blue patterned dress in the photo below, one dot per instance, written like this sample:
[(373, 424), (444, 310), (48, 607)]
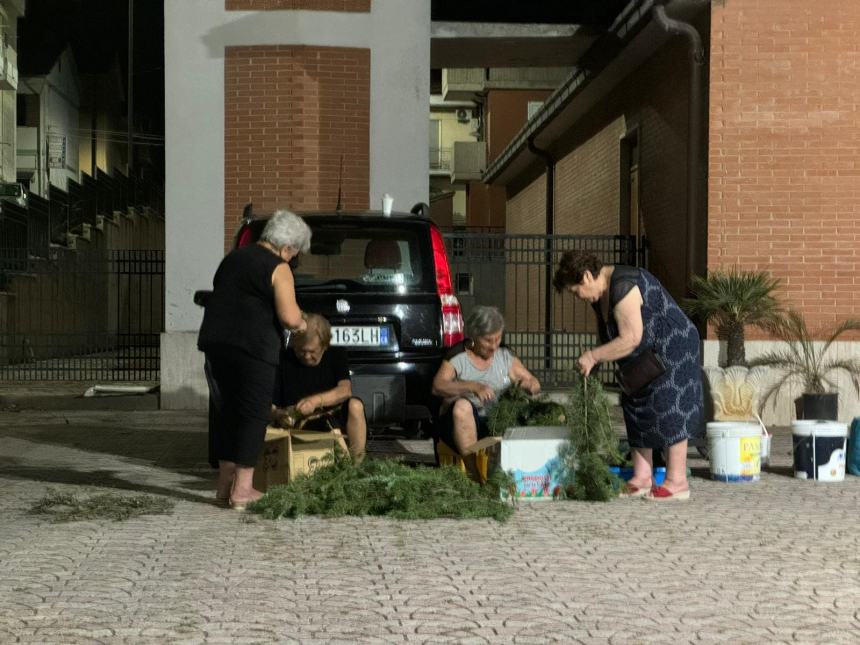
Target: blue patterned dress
[(670, 408)]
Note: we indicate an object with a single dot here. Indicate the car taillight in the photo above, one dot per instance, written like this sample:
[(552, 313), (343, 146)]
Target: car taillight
[(244, 237), (452, 316)]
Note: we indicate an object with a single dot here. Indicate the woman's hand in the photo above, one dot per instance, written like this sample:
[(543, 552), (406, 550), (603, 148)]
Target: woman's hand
[(484, 392), (302, 326), (308, 405), (586, 363), (530, 385)]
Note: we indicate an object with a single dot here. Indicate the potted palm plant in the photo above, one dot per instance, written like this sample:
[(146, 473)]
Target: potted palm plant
[(811, 363), (731, 300)]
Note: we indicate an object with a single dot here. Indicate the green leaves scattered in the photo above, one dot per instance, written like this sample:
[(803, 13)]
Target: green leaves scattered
[(64, 507), (388, 488)]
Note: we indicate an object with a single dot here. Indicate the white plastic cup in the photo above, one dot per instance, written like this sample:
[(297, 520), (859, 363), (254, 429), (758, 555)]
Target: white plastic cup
[(387, 204)]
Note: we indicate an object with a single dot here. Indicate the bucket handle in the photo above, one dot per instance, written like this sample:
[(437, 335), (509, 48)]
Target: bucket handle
[(761, 423)]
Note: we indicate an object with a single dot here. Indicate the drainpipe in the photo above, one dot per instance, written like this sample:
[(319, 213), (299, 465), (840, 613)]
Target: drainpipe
[(695, 171), (550, 228)]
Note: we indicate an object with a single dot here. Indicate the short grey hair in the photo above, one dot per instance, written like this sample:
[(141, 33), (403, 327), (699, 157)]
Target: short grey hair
[(287, 229), (484, 320)]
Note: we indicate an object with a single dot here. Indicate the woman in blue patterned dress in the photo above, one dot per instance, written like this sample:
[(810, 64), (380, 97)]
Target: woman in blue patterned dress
[(635, 313)]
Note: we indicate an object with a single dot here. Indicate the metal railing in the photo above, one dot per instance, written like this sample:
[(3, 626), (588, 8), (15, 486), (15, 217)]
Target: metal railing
[(510, 272), (441, 158), (82, 316)]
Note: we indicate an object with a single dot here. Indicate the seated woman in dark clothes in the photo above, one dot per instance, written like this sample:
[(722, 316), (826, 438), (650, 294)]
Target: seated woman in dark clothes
[(314, 376)]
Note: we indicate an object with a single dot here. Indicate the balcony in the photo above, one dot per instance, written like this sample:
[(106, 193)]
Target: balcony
[(464, 84), (440, 161), (470, 161), (8, 68), (27, 149)]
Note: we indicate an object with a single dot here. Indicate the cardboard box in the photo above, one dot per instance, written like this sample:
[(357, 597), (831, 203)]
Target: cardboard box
[(288, 453), (531, 456)]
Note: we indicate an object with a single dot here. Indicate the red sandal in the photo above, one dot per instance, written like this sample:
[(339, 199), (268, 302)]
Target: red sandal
[(629, 490), (663, 494)]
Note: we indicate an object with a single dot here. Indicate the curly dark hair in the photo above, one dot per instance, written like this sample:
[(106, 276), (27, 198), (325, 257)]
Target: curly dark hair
[(573, 266)]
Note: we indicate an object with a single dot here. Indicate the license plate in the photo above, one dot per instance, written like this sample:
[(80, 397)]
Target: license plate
[(353, 336)]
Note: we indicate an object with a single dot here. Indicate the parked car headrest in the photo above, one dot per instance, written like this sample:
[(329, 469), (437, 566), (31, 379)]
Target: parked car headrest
[(382, 254)]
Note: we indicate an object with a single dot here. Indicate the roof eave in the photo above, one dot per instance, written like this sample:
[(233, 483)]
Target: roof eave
[(516, 157)]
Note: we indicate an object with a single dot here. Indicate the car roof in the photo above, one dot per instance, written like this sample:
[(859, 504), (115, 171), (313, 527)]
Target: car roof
[(364, 217)]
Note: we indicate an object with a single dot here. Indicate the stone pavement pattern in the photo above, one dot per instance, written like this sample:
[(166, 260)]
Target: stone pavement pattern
[(777, 561)]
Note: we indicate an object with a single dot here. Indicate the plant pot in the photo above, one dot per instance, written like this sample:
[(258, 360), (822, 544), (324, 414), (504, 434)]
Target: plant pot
[(824, 407)]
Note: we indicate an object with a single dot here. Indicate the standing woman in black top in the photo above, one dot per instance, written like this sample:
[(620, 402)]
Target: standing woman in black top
[(254, 299)]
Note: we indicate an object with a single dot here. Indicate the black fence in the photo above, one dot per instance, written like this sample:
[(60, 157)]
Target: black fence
[(81, 316), (548, 331)]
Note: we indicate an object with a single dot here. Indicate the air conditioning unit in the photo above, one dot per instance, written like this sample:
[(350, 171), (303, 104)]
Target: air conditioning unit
[(463, 115)]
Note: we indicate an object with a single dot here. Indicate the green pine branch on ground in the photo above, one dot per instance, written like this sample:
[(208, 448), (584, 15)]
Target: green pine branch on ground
[(65, 507), (516, 408), (388, 488)]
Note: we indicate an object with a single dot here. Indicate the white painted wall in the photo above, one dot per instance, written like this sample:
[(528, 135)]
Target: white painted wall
[(196, 33), (61, 97)]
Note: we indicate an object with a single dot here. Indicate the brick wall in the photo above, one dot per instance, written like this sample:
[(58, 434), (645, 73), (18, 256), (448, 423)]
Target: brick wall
[(290, 113), (587, 184), (311, 5), (653, 99), (526, 211), (486, 205), (784, 167), (658, 96), (524, 284), (507, 112)]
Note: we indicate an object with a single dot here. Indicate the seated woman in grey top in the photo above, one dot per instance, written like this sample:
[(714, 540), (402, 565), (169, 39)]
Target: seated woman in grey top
[(473, 376)]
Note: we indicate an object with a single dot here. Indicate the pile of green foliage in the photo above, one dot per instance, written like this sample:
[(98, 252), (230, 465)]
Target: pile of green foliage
[(516, 408), (593, 444), (385, 487), (64, 507)]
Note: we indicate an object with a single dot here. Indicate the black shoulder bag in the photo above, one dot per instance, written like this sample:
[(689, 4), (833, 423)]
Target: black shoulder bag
[(641, 370)]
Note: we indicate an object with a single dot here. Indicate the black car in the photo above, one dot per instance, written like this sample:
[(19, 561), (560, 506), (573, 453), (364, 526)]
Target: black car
[(384, 284)]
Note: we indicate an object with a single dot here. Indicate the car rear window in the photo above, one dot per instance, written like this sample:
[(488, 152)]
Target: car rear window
[(365, 258)]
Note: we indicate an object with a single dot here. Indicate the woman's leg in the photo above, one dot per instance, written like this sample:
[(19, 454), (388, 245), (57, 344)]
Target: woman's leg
[(676, 467), (243, 486), (226, 473), (465, 428), (356, 429), (252, 400), (643, 466)]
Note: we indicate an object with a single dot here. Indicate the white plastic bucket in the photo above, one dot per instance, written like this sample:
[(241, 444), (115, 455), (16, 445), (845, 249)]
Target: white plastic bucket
[(819, 450), (765, 442), (734, 449)]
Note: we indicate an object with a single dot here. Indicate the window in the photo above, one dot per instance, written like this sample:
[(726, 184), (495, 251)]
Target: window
[(435, 144), (533, 108), (361, 259), (465, 284)]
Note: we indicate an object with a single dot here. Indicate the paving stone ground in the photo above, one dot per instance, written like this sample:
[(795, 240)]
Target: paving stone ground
[(776, 561)]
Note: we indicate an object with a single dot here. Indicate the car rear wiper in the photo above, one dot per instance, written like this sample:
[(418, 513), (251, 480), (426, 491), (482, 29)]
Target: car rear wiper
[(331, 285)]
